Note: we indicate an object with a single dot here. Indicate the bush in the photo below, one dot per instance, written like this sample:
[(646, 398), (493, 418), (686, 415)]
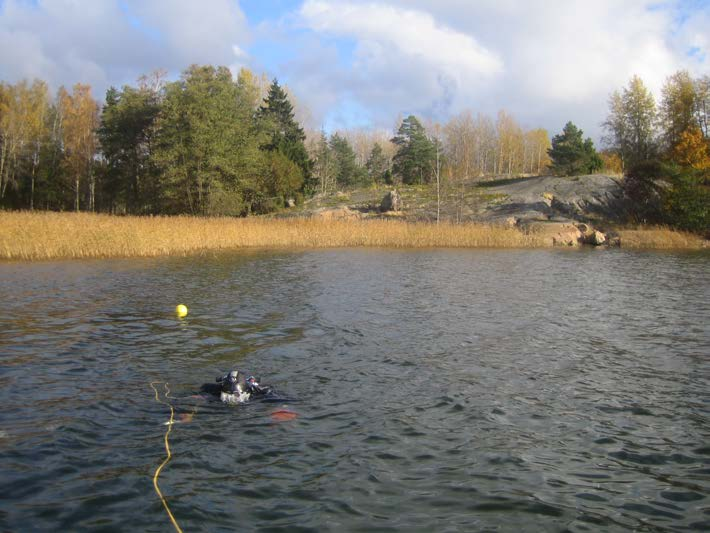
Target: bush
[(686, 203), (643, 187), (669, 194)]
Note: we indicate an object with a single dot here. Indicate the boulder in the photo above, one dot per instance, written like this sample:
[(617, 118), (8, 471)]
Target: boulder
[(596, 238), (290, 202), (391, 201), (555, 233)]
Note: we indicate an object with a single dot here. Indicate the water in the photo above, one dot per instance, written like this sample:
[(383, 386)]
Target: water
[(440, 391)]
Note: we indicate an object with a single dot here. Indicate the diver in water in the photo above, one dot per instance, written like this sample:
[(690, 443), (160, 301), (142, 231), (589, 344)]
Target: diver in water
[(235, 388)]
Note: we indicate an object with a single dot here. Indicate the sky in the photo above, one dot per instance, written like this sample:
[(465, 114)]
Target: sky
[(355, 63)]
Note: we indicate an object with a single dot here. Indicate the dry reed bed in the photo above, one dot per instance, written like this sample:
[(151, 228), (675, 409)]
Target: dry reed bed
[(37, 236), (33, 236), (660, 238)]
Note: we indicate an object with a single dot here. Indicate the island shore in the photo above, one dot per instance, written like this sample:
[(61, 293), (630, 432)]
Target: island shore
[(30, 236)]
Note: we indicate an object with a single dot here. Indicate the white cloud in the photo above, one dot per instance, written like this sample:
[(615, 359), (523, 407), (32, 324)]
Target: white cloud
[(415, 34), (112, 42), (545, 61), (403, 60)]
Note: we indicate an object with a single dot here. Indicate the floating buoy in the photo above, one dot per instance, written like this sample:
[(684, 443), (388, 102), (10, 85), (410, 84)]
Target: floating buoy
[(181, 310), (282, 415)]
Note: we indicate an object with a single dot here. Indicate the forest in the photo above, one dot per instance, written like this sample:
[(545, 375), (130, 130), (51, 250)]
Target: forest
[(213, 144)]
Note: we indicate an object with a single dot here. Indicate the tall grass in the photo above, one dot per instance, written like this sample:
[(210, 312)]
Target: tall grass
[(660, 238), (37, 236)]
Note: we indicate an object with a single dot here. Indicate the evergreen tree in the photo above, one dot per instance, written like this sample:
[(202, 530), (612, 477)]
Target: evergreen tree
[(286, 135), (125, 135), (349, 173), (415, 157), (377, 164), (571, 155)]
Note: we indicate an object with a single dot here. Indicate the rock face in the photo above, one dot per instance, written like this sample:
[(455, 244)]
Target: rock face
[(391, 201), (580, 198)]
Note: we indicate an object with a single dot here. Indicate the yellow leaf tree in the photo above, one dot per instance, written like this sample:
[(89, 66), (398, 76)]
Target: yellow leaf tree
[(692, 149), (80, 119)]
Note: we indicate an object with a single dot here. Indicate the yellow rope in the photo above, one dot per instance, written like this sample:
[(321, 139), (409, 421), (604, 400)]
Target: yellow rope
[(169, 455)]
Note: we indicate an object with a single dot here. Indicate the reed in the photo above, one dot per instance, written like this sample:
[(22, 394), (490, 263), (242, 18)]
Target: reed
[(37, 236), (660, 238), (42, 235)]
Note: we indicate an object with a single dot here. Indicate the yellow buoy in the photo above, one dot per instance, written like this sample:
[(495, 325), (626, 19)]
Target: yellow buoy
[(181, 310)]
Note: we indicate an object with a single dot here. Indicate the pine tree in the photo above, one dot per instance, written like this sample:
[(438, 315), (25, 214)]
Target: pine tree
[(349, 173), (377, 164), (286, 135), (571, 155), (415, 157), (125, 134)]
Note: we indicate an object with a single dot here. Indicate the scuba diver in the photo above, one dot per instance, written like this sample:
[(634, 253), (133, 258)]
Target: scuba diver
[(234, 388)]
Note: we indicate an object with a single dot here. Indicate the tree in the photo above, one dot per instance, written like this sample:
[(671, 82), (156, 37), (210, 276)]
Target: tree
[(463, 145), (13, 133), (253, 87), (435, 139), (378, 164), (415, 157), (630, 124), (283, 180), (686, 203), (206, 146), (348, 172), (537, 144), (36, 112), (80, 120), (510, 143), (571, 155), (611, 162), (285, 134), (702, 104), (692, 150), (126, 137), (324, 165), (678, 107)]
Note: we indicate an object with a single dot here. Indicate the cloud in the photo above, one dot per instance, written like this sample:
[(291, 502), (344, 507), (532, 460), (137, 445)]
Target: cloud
[(403, 59), (112, 42), (546, 62), (412, 33), (353, 61)]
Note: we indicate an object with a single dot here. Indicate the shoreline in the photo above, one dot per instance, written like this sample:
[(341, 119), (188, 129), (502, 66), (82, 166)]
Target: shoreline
[(38, 236)]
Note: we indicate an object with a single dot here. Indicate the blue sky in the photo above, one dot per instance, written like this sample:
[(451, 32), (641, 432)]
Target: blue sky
[(363, 63)]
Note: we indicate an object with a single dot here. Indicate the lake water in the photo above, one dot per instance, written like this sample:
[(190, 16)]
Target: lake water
[(439, 390)]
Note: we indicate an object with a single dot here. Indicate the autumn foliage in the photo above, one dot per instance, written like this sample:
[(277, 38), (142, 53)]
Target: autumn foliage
[(692, 150)]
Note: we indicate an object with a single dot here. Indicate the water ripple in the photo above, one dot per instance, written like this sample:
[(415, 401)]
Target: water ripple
[(447, 390)]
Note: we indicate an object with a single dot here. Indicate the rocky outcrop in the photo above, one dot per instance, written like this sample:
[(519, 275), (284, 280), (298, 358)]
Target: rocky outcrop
[(596, 238), (392, 201), (580, 198), (336, 213), (555, 233)]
